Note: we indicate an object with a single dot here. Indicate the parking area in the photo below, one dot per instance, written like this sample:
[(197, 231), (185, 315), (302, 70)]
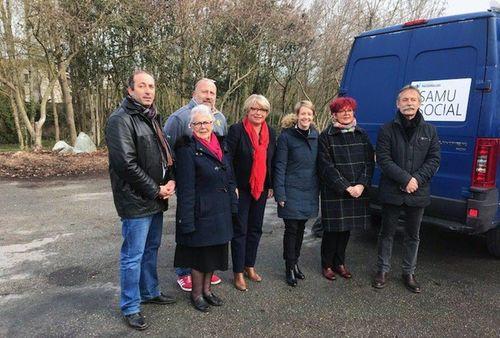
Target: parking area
[(59, 245)]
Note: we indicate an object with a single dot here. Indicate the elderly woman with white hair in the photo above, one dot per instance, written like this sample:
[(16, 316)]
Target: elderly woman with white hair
[(206, 202)]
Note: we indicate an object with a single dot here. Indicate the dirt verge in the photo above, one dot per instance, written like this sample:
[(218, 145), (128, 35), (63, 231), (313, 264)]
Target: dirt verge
[(46, 164)]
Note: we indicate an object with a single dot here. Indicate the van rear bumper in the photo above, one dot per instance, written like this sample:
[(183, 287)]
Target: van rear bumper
[(485, 201), (451, 214)]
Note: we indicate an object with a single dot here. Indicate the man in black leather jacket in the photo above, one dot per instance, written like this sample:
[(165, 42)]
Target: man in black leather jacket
[(141, 172), (408, 155)]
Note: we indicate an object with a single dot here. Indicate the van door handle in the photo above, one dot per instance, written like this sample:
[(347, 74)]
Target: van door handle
[(483, 85)]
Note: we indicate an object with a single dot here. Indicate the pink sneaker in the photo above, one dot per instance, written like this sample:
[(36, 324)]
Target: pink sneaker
[(215, 279), (185, 282)]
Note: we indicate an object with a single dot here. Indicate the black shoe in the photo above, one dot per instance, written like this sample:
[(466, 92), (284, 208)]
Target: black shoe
[(298, 273), (411, 283), (136, 321), (379, 280), (200, 304), (290, 277), (162, 299), (213, 300)]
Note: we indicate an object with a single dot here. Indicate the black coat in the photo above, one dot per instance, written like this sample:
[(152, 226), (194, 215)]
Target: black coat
[(206, 197), (344, 159), (400, 159), (241, 151), (135, 162), (295, 178)]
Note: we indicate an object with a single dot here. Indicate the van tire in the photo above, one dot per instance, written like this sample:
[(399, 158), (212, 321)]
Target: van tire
[(493, 242)]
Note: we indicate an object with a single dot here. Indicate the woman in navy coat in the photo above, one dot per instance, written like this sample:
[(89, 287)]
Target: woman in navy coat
[(296, 182), (206, 200), (251, 143)]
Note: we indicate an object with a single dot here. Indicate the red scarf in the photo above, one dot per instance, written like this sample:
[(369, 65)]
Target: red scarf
[(259, 165), (213, 145)]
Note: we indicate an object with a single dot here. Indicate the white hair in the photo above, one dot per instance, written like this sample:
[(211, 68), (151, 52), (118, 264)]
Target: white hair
[(201, 109)]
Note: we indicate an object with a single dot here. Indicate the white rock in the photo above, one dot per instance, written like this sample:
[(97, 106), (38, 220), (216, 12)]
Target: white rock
[(62, 148), (84, 144)]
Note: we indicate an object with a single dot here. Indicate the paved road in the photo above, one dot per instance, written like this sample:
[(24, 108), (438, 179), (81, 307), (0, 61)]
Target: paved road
[(59, 243)]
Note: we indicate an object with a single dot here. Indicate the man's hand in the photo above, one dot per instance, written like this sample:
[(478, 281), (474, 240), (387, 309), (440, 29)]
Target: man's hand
[(412, 186), (270, 193), (167, 190), (281, 204), (171, 186)]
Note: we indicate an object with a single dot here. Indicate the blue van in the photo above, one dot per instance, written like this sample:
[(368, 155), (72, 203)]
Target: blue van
[(455, 62)]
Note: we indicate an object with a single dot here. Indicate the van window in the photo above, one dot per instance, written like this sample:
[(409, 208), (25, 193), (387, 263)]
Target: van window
[(374, 78)]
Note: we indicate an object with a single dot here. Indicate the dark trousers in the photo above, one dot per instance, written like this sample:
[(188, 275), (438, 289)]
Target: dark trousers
[(390, 217), (247, 230), (333, 245), (292, 240)]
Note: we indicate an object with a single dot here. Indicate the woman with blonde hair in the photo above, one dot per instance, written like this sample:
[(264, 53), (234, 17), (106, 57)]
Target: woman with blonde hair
[(296, 182), (251, 144)]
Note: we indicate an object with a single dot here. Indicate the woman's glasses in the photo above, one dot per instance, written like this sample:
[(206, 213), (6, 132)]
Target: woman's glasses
[(201, 123)]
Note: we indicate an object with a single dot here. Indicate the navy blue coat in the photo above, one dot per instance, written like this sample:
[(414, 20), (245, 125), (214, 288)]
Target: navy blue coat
[(400, 159), (295, 179), (206, 197)]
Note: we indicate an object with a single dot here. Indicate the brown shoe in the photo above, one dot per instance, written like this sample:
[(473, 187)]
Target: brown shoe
[(239, 281), (411, 283), (329, 274), (342, 271), (379, 280), (252, 274)]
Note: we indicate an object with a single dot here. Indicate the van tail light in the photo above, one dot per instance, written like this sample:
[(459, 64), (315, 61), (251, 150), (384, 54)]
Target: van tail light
[(473, 213), (415, 22), (485, 162)]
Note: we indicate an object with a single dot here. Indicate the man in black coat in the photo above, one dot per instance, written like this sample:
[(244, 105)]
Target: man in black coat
[(408, 155), (141, 172)]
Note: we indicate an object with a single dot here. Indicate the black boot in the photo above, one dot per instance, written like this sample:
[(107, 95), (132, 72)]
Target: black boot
[(290, 277), (298, 273)]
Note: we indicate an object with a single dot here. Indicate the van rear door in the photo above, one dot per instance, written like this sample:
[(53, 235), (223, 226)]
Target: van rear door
[(447, 62), (373, 76)]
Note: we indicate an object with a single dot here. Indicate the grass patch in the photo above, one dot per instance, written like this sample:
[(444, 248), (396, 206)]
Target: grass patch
[(9, 147)]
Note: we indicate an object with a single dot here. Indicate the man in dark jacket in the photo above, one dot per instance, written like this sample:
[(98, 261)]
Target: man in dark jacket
[(408, 155), (140, 168)]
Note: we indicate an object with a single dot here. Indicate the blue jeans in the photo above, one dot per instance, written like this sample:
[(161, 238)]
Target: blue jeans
[(182, 271), (138, 261)]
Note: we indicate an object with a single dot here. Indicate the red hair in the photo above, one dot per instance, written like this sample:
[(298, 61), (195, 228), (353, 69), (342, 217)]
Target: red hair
[(341, 103)]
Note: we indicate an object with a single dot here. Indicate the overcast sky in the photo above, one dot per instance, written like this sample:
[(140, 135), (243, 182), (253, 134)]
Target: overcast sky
[(466, 6)]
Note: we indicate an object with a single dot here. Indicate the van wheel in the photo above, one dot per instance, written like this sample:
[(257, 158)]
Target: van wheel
[(493, 242)]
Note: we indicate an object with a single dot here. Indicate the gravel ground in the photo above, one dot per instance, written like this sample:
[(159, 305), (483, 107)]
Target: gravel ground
[(59, 245)]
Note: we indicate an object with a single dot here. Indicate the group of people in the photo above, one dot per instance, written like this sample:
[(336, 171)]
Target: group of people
[(224, 176)]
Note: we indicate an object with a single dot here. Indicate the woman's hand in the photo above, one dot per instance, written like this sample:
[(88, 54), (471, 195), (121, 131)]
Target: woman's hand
[(355, 191), (270, 193), (360, 188)]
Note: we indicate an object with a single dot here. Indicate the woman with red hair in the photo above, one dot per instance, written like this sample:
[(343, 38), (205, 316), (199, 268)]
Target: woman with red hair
[(345, 169)]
